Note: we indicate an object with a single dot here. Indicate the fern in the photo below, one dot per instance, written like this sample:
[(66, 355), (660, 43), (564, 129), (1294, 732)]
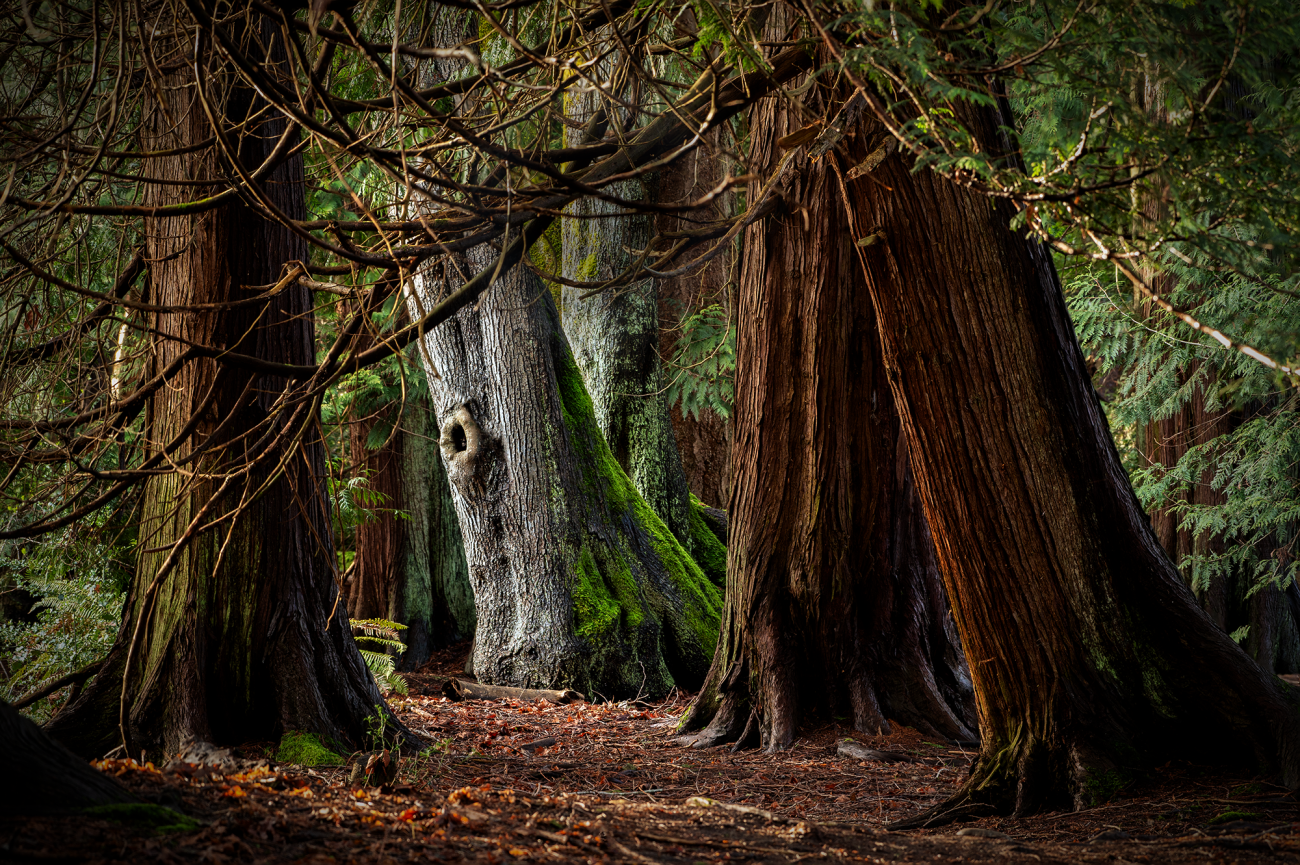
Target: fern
[(704, 367), (384, 637)]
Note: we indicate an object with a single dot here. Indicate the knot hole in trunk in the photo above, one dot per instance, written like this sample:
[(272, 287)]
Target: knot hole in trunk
[(461, 441)]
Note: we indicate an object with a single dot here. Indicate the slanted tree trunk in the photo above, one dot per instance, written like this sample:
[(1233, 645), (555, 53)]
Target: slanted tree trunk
[(243, 638), (834, 604), (409, 566), (703, 439), (577, 581), (53, 779), (614, 333), (1089, 653)]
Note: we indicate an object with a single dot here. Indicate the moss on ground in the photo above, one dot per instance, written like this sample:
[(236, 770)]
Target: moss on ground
[(1102, 786), (161, 820), (304, 749)]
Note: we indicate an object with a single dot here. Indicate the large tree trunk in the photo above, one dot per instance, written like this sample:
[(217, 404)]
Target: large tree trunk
[(614, 334), (577, 581), (242, 637), (834, 603), (1089, 653), (409, 567)]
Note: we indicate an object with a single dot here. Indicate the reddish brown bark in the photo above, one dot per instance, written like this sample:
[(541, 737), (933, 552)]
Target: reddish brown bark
[(834, 604), (378, 568), (243, 639), (1089, 654)]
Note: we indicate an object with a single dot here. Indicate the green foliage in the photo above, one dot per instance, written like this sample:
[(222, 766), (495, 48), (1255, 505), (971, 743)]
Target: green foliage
[(1103, 786), (162, 820), (383, 638), (1118, 107), (304, 749), (377, 738), (78, 587), (1229, 816), (704, 367), (1159, 368)]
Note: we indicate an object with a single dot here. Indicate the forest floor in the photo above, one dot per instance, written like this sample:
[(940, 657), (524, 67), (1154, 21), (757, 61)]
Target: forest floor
[(607, 783)]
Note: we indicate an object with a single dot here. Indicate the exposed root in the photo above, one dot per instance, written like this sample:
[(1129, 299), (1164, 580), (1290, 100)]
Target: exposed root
[(1023, 778), (955, 810), (728, 722)]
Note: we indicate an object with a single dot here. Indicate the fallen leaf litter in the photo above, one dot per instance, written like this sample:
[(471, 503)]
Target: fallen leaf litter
[(518, 781)]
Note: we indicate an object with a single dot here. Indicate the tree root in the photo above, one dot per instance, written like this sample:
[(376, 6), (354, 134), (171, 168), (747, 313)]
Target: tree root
[(957, 809)]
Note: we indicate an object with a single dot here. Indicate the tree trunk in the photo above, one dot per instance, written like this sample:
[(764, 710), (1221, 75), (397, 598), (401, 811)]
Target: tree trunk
[(614, 334), (410, 568), (577, 582), (1089, 653), (834, 603), (53, 779), (244, 639), (703, 440)]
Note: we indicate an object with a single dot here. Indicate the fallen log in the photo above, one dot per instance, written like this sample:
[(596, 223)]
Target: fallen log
[(460, 689), (857, 751)]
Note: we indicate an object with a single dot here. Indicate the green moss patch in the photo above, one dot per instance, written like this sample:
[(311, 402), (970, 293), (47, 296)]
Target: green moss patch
[(1229, 816), (161, 820), (304, 749), (709, 553), (605, 591)]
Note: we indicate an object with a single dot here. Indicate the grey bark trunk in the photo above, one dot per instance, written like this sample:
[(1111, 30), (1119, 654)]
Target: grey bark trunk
[(577, 581), (410, 568), (445, 601)]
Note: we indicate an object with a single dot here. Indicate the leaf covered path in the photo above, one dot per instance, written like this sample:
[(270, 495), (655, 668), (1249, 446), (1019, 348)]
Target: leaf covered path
[(607, 783)]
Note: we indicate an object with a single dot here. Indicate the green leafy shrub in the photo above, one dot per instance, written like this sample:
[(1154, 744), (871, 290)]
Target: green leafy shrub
[(78, 586)]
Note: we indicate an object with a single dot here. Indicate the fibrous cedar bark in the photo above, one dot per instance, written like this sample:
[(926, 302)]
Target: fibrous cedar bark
[(409, 565), (834, 604), (1089, 654), (242, 637), (577, 582), (612, 325)]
